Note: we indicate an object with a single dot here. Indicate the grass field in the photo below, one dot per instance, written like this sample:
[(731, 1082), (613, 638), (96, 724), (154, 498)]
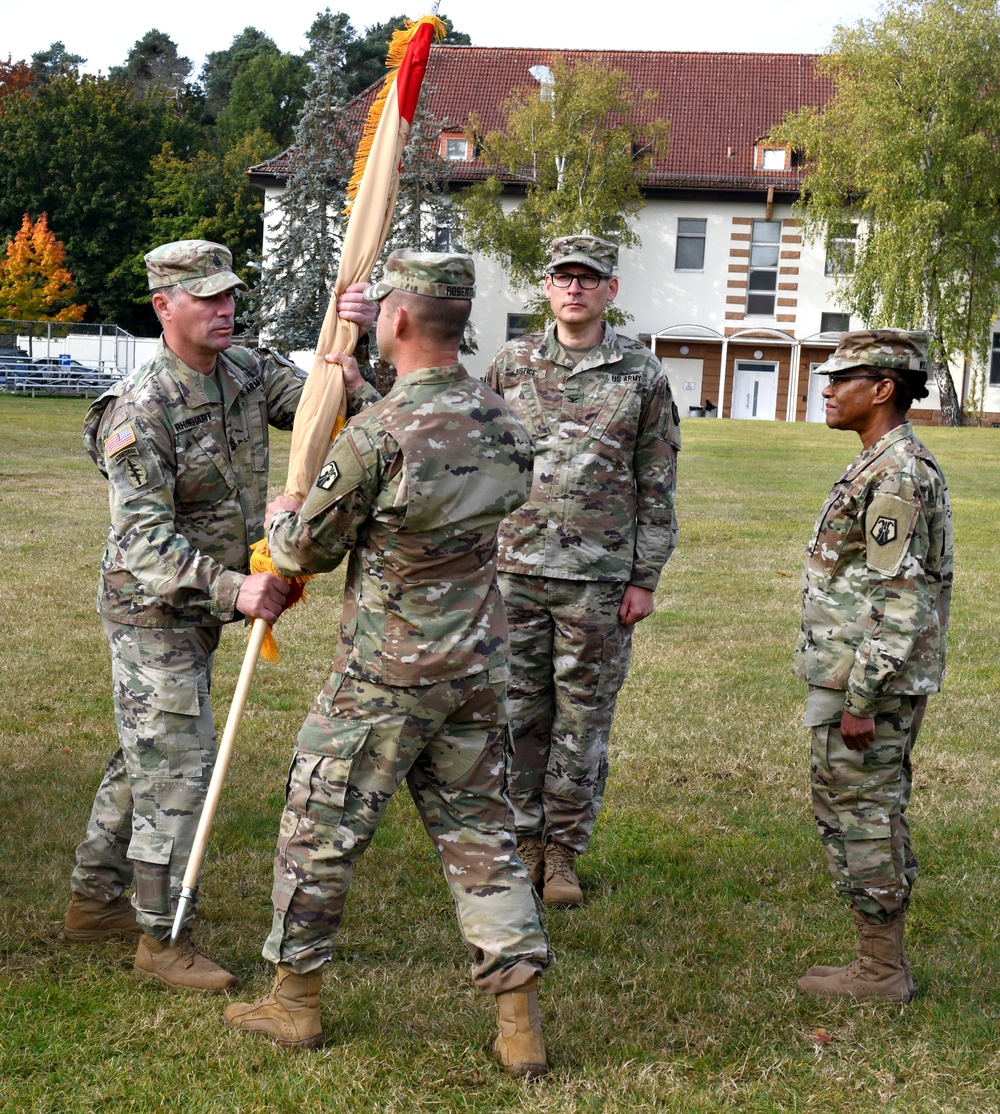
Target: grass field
[(707, 891)]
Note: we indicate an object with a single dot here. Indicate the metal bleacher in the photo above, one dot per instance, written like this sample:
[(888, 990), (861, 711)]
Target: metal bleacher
[(28, 377)]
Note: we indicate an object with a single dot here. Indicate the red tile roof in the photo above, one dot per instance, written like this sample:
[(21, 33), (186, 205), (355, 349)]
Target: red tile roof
[(718, 106)]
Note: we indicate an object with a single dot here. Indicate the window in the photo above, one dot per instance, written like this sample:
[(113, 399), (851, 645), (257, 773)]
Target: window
[(762, 282), (517, 324), (774, 158), (454, 147), (442, 235), (995, 361), (690, 254), (835, 322), (840, 253)]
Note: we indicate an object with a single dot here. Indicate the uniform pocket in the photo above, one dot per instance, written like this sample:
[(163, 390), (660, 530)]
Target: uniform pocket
[(319, 776)]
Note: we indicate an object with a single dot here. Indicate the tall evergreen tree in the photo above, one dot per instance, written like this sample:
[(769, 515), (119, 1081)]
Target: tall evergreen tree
[(297, 278)]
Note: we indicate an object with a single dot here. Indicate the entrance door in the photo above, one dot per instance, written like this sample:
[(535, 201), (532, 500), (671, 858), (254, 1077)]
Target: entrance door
[(815, 402), (755, 390)]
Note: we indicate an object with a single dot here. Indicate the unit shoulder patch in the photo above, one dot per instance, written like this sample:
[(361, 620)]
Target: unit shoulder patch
[(336, 479), (889, 522)]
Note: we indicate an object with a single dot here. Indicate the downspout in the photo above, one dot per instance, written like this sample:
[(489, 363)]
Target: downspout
[(793, 383), (722, 377)]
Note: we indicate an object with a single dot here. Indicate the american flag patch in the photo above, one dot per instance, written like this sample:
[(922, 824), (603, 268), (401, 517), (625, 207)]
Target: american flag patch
[(119, 440)]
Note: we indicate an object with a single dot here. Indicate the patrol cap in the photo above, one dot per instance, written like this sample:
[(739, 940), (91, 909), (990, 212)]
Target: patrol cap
[(431, 273), (199, 266), (597, 254)]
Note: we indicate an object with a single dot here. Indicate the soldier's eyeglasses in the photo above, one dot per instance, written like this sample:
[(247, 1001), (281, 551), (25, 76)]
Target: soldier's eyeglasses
[(835, 378), (564, 279)]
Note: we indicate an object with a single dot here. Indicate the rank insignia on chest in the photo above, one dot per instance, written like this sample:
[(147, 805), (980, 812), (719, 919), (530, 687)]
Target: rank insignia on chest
[(133, 468), (328, 476), (884, 530)]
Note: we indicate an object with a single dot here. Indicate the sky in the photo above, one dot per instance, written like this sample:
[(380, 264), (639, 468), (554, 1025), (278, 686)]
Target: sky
[(198, 28)]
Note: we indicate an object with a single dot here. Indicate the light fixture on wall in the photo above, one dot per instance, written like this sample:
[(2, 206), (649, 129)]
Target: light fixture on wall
[(758, 355), (684, 350)]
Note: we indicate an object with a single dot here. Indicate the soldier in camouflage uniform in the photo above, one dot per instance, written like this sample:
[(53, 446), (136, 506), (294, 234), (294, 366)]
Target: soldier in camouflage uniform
[(581, 559), (412, 493), (875, 599), (183, 444)]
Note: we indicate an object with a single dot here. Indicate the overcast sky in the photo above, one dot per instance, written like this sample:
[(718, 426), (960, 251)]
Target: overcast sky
[(103, 33)]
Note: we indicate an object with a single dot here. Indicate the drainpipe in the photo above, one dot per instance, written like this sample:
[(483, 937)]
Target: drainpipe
[(722, 377), (793, 383)]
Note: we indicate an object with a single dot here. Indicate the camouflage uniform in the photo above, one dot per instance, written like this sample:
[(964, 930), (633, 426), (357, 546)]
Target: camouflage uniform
[(186, 458), (875, 601), (600, 517), (412, 490)]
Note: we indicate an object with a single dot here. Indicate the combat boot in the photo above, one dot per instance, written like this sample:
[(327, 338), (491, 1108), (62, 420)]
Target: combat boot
[(519, 1045), (911, 986), (88, 920), (531, 852), (182, 966), (561, 885), (289, 1015), (877, 972)]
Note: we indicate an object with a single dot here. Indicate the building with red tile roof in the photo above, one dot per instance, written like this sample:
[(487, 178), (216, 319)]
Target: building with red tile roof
[(723, 287)]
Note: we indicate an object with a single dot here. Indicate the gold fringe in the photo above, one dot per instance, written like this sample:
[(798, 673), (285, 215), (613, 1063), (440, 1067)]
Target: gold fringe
[(260, 561), (394, 59)]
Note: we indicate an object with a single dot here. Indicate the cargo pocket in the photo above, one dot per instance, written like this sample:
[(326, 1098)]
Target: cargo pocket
[(616, 656), (321, 769), (866, 833), (150, 855), (167, 740)]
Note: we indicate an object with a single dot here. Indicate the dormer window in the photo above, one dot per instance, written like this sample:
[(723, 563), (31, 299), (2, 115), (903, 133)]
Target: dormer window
[(455, 147), (772, 158)]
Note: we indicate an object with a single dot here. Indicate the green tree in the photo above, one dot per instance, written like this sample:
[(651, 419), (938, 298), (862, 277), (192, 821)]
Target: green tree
[(289, 302), (569, 142), (154, 66), (364, 56), (208, 196), (266, 96), (80, 151), (908, 145), (221, 66), (55, 62)]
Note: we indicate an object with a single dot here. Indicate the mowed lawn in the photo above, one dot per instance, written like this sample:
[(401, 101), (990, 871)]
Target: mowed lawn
[(707, 892)]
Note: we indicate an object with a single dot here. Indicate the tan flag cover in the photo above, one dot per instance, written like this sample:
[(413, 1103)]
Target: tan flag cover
[(322, 409)]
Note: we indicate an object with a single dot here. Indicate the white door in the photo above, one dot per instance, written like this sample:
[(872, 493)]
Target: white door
[(685, 382), (755, 390), (815, 402)]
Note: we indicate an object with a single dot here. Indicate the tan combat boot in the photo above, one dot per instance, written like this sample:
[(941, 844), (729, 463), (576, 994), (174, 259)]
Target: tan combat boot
[(182, 966), (561, 884), (289, 1015), (88, 920), (911, 986), (877, 972), (519, 1045), (531, 852)]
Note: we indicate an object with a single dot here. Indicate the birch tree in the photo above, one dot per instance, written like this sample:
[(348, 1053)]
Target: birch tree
[(573, 145), (908, 147)]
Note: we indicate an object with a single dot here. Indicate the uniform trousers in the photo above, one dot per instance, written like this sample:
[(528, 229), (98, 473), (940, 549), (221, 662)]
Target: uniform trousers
[(569, 658), (449, 741), (860, 799), (146, 810)]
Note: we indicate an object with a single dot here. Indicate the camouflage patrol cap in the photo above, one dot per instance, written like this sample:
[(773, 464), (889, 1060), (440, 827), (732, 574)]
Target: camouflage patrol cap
[(593, 252), (892, 349), (433, 274), (198, 266)]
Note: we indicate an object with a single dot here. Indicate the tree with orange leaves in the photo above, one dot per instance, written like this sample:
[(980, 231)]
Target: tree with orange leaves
[(15, 77), (34, 284)]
